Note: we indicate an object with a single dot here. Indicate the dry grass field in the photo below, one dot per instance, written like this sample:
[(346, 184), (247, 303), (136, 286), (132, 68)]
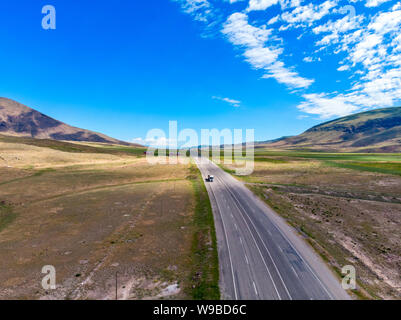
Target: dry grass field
[(347, 206), (98, 216)]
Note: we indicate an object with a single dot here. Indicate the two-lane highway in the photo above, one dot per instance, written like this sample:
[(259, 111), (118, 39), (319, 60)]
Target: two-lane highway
[(260, 256)]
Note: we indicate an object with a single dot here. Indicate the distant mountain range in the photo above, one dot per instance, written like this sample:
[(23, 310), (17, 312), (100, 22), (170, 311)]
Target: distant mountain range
[(378, 130), (372, 131), (22, 121)]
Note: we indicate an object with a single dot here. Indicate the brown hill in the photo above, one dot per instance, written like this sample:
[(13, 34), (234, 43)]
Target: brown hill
[(372, 131), (19, 120)]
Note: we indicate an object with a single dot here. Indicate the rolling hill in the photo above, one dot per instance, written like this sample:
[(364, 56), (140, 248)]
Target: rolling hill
[(19, 120), (371, 131)]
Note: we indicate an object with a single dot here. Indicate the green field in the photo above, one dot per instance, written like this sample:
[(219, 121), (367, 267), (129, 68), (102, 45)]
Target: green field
[(331, 156), (393, 168), (373, 162)]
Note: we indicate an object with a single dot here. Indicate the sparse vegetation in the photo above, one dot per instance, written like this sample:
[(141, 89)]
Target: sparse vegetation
[(347, 206), (7, 215), (95, 214), (205, 274)]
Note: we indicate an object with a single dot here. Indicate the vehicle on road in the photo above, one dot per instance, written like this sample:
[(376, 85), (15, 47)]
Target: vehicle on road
[(209, 178), (260, 255)]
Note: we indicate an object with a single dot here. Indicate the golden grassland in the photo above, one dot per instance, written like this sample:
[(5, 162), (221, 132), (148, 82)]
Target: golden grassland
[(96, 216)]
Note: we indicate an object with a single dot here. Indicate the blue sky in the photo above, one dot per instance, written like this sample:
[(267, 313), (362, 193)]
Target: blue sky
[(276, 66)]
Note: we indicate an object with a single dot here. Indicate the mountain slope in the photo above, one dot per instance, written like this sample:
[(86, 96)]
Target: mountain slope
[(22, 121), (372, 131)]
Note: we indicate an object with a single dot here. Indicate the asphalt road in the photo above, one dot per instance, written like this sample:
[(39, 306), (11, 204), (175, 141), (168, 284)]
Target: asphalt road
[(260, 255)]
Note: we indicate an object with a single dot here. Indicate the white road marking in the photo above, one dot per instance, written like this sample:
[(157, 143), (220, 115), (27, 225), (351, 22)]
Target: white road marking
[(206, 166), (254, 286), (246, 259), (257, 246), (303, 260), (294, 271), (228, 247)]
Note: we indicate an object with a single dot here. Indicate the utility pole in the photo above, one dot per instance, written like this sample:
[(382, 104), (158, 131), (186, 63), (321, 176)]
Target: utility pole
[(116, 285)]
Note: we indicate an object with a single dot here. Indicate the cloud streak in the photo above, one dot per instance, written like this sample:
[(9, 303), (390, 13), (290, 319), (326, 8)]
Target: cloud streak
[(258, 53), (233, 102)]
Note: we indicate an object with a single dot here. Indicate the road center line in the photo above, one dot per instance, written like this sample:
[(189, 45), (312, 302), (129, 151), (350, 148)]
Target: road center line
[(254, 286), (256, 244), (261, 239), (294, 271)]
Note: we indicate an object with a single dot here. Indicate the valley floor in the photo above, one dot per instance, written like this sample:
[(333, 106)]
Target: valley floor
[(347, 206), (99, 213), (102, 217)]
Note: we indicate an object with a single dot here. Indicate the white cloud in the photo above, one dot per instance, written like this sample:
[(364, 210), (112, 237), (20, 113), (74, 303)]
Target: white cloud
[(243, 34), (368, 44), (343, 68), (273, 20), (342, 25), (233, 102), (326, 107), (383, 90), (387, 21), (375, 3), (200, 10), (310, 59), (285, 76), (155, 142), (258, 53), (307, 14), (372, 46), (260, 57), (261, 4)]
